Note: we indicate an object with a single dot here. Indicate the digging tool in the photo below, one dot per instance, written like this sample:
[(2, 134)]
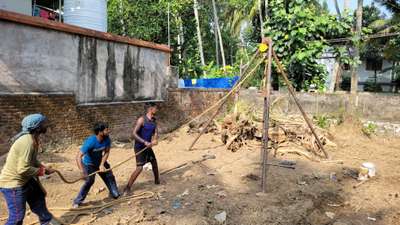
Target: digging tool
[(183, 165), (283, 166)]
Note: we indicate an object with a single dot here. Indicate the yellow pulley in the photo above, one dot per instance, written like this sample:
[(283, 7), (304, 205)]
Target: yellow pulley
[(263, 47)]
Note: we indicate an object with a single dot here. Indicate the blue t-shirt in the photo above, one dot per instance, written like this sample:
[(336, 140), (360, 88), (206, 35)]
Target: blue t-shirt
[(92, 150)]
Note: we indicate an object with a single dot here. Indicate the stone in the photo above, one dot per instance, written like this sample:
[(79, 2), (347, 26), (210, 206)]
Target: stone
[(261, 194), (221, 194), (186, 192), (188, 174), (330, 215), (220, 217)]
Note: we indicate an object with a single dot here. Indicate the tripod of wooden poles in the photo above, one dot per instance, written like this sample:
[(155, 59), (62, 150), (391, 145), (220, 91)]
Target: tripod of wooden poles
[(268, 55)]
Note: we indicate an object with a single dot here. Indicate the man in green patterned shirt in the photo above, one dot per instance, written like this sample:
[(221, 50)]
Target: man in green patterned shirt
[(19, 176)]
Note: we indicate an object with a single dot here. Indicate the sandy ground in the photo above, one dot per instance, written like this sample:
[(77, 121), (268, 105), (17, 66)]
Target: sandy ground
[(231, 182)]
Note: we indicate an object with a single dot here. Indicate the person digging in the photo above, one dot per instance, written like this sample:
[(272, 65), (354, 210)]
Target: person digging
[(93, 157), (19, 180), (145, 133)]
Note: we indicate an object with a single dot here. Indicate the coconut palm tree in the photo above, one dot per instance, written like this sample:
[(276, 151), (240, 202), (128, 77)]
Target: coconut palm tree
[(216, 21), (199, 39)]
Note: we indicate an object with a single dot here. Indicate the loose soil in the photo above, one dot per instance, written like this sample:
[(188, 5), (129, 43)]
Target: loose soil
[(231, 183)]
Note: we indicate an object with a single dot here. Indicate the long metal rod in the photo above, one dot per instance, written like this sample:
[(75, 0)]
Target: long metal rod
[(296, 100), (267, 92)]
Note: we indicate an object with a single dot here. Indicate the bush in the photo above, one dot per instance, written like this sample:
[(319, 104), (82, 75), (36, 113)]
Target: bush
[(322, 121), (369, 129)]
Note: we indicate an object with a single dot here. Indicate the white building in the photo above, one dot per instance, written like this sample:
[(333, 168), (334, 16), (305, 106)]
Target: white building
[(368, 71)]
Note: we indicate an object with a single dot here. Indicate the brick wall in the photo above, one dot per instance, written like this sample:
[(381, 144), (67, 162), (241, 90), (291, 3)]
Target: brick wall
[(72, 122)]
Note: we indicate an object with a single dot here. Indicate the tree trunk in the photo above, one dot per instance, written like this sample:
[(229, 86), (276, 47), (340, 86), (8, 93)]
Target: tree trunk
[(335, 73), (180, 38), (200, 42), (221, 45), (216, 44), (266, 9), (337, 9), (169, 27), (392, 87), (338, 78), (260, 6), (120, 8), (354, 74)]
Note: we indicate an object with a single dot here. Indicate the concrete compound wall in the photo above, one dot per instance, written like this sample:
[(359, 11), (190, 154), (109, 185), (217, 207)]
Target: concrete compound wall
[(72, 122), (37, 59), (370, 106)]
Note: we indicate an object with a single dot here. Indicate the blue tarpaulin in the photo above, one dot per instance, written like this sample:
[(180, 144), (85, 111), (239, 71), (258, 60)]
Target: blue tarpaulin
[(223, 82)]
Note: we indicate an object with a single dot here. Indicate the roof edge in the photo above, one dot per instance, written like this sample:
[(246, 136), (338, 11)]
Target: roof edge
[(67, 28)]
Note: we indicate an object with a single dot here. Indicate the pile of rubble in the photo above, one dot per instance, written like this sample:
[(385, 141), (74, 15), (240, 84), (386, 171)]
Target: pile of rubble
[(286, 134)]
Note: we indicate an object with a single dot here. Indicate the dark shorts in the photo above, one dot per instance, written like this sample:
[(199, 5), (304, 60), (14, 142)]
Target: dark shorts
[(144, 157)]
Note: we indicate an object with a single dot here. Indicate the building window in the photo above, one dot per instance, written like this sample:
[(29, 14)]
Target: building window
[(346, 66), (374, 64)]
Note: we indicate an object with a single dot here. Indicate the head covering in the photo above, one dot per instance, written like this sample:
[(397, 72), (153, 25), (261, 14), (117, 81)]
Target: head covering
[(29, 123)]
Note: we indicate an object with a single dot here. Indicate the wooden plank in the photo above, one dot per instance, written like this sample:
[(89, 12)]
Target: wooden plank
[(267, 93), (67, 28)]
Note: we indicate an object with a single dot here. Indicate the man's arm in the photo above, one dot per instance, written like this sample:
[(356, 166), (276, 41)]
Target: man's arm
[(85, 149), (154, 140), (47, 170), (104, 158), (79, 163), (138, 125)]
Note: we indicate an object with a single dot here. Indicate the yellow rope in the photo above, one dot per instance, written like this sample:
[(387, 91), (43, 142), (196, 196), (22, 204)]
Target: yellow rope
[(143, 195), (93, 210), (237, 86), (94, 173)]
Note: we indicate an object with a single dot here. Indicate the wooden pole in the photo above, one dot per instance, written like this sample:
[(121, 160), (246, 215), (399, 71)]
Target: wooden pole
[(236, 99), (267, 92), (206, 126), (292, 92), (354, 69), (237, 86)]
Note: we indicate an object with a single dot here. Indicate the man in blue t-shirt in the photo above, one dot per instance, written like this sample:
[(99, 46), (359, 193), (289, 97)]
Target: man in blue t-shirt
[(93, 157)]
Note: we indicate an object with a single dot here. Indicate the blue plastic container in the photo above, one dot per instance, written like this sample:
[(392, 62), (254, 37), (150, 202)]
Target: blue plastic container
[(223, 82)]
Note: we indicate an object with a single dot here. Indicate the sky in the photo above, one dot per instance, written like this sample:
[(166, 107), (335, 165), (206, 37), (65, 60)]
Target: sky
[(352, 5)]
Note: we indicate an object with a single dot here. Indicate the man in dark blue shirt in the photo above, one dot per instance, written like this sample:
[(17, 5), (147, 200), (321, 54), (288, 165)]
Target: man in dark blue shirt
[(93, 157), (145, 134)]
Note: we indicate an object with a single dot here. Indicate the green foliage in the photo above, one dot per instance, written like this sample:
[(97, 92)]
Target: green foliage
[(299, 39), (147, 20), (369, 129), (213, 71), (341, 53), (322, 121), (299, 29), (371, 13)]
